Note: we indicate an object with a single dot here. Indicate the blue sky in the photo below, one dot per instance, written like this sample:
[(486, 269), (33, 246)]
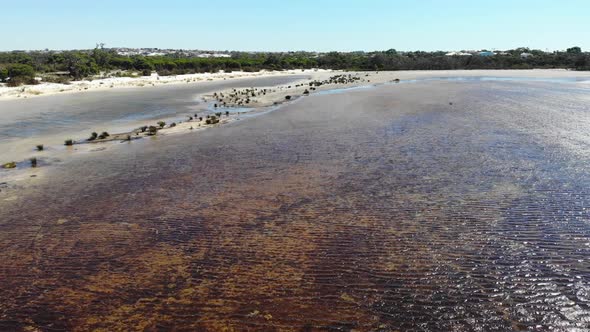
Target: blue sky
[(284, 25)]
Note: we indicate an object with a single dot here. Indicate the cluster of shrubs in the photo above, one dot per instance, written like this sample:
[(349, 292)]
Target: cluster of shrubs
[(17, 74), (237, 97), (94, 136), (149, 130)]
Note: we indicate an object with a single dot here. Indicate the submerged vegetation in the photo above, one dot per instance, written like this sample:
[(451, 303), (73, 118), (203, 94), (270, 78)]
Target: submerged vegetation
[(20, 67), (11, 164)]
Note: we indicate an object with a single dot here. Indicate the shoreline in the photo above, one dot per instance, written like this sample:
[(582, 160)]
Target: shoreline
[(303, 189), (275, 98), (106, 84)]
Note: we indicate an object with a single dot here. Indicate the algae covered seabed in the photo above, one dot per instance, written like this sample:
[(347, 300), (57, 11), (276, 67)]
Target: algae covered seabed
[(433, 205)]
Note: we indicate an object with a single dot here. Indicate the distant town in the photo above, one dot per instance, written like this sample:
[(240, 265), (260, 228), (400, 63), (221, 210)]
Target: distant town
[(128, 51), (155, 52)]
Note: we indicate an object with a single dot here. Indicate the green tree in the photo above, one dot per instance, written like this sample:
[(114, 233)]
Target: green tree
[(574, 50), (3, 74), (141, 63), (79, 65), (20, 71), (101, 56)]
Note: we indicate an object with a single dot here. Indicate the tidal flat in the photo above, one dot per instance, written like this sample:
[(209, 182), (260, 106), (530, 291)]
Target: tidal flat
[(432, 205)]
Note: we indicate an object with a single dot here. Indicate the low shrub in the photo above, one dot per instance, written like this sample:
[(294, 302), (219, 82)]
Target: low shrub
[(40, 147), (152, 130), (57, 79), (164, 72), (18, 81), (69, 142), (212, 120), (34, 162), (161, 124)]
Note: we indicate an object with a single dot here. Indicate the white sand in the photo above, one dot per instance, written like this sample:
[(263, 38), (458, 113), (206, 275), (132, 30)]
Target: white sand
[(45, 89)]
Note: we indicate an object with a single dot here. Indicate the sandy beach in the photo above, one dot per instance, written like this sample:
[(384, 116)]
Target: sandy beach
[(98, 84)]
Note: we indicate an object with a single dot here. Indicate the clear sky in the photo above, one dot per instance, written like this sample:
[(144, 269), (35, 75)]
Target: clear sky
[(284, 25)]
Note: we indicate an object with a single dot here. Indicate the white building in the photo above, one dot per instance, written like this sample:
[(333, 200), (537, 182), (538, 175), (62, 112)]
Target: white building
[(214, 55), (458, 54)]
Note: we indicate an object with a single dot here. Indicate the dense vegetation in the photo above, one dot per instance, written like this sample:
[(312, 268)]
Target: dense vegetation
[(20, 67)]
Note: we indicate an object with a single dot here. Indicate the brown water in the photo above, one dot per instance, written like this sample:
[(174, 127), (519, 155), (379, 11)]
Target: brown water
[(373, 210)]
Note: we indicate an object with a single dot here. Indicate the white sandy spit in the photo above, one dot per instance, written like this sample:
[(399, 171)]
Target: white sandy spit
[(45, 89)]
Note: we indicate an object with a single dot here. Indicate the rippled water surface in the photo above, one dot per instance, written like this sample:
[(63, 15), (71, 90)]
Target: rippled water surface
[(434, 206)]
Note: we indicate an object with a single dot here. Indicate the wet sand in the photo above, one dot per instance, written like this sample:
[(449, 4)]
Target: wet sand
[(437, 205)]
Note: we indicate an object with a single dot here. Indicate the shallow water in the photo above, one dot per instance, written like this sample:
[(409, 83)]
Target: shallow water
[(50, 120), (434, 206)]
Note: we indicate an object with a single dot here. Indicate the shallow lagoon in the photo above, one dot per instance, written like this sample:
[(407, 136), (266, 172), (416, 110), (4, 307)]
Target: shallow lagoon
[(50, 120), (439, 205)]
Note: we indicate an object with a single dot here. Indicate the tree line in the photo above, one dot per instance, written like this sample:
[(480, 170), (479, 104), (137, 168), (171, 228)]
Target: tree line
[(21, 67)]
